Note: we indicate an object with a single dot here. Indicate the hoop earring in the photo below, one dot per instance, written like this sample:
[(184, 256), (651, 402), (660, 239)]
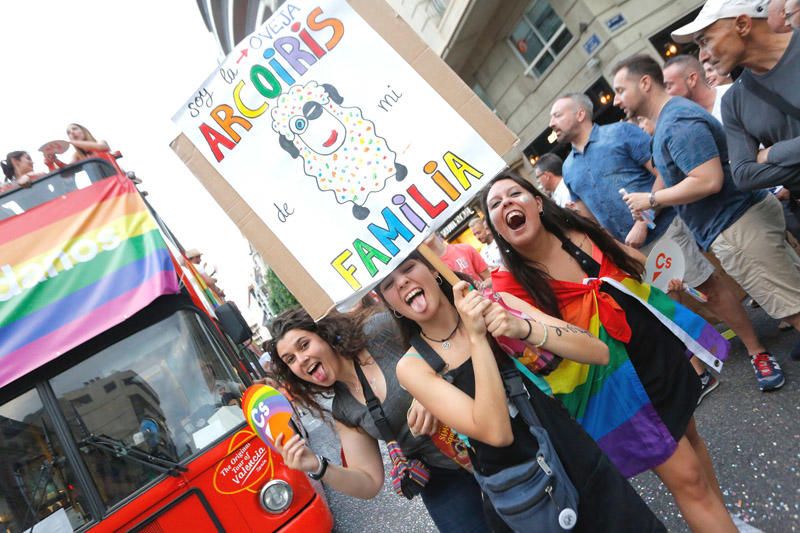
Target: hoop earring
[(438, 278), (396, 314)]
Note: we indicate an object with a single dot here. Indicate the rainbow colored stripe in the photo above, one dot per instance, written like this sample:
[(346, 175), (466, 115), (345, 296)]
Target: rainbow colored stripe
[(610, 401), (74, 267)]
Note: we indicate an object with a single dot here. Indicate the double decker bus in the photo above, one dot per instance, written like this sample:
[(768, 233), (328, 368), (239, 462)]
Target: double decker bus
[(120, 381)]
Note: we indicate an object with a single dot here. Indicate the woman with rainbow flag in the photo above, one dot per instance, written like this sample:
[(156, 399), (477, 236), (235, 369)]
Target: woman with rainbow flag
[(458, 370), (639, 408)]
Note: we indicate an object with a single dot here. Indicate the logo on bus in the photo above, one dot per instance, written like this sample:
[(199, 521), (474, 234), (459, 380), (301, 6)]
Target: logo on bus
[(247, 468)]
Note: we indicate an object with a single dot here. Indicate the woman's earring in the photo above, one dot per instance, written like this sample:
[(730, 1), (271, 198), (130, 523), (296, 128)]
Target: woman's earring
[(396, 314), (439, 279)]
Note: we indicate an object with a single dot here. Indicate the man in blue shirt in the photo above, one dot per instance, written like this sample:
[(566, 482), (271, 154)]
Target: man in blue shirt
[(745, 230), (605, 159)]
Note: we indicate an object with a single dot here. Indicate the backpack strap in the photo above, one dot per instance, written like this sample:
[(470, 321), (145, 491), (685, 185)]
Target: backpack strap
[(768, 95), (517, 393), (430, 356), (374, 407)]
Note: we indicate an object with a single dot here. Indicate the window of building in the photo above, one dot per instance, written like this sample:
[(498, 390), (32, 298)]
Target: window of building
[(479, 90), (540, 37), (440, 5)]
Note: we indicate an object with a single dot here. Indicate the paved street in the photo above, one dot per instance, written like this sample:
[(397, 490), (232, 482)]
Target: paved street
[(754, 439)]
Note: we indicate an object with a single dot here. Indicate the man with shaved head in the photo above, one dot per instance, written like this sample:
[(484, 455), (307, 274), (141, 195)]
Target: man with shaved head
[(763, 107), (603, 160), (684, 76)]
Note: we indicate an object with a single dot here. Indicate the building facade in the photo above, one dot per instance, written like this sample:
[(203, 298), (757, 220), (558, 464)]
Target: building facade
[(520, 55)]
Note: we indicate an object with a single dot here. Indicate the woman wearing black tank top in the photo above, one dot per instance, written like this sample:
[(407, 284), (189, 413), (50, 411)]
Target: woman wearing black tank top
[(319, 358), (459, 325)]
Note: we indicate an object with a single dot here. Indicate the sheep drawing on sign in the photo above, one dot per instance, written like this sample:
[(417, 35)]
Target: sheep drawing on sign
[(339, 147)]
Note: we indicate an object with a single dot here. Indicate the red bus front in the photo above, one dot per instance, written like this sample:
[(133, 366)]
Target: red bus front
[(140, 428)]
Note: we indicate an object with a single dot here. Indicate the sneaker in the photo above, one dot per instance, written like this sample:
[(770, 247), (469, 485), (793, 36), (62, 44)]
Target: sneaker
[(707, 384), (768, 371)]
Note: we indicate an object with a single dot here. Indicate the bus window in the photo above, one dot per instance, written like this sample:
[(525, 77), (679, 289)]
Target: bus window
[(165, 392), (37, 487)]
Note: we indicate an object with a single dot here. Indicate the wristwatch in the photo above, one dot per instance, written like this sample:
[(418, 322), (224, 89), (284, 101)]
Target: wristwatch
[(323, 466), (653, 202)]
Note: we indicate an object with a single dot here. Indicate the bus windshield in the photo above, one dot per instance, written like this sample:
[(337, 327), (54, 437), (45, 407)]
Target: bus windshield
[(153, 399), (73, 177)]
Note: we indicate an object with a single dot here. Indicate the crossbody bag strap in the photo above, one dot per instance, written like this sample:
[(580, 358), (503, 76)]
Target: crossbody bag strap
[(374, 407), (518, 394), (430, 356), (768, 95)]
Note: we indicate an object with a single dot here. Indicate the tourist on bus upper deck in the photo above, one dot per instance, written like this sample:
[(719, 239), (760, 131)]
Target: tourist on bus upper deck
[(83, 142), (18, 168)]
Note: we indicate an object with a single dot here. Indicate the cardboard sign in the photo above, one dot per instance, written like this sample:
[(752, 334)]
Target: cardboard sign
[(268, 412), (336, 141), (664, 264)]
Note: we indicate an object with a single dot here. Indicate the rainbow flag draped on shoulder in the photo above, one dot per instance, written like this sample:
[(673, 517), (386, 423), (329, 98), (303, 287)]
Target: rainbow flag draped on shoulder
[(610, 401), (74, 267)]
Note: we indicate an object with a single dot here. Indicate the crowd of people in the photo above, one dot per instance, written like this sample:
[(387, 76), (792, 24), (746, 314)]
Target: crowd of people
[(605, 372)]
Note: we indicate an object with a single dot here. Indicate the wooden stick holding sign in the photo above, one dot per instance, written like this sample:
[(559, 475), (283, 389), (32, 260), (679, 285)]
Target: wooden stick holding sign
[(437, 263)]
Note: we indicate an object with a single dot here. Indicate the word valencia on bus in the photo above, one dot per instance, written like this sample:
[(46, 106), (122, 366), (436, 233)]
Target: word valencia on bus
[(287, 59)]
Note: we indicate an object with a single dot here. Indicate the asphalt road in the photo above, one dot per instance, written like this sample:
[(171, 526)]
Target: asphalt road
[(754, 440)]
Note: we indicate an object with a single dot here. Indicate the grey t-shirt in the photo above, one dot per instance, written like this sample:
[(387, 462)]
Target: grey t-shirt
[(386, 348), (750, 122)]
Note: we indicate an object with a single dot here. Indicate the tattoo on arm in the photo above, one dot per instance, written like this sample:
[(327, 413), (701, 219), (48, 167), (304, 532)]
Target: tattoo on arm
[(571, 329)]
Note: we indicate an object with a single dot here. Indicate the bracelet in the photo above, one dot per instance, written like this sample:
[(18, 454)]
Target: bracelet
[(653, 202), (530, 330), (544, 337), (323, 466)]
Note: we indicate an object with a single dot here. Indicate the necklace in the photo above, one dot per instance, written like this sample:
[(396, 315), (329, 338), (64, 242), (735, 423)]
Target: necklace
[(446, 341)]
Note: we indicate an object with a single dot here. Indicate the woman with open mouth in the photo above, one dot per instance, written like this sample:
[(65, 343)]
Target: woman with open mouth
[(639, 408), (453, 370), (311, 359)]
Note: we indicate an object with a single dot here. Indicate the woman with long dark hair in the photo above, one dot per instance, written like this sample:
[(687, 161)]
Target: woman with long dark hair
[(467, 392), (18, 168), (321, 359), (640, 407)]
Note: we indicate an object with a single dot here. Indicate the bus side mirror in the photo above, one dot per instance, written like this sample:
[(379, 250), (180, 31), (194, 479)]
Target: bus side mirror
[(233, 323)]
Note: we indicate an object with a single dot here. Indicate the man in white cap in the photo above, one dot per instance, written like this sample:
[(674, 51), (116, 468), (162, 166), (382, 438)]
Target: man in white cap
[(763, 106)]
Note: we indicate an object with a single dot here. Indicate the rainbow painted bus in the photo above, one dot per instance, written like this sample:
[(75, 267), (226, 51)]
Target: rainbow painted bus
[(119, 375)]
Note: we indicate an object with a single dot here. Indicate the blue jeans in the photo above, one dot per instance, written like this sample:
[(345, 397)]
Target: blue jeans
[(454, 501)]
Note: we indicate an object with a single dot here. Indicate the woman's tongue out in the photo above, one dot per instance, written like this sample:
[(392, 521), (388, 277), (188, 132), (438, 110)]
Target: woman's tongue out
[(418, 303), (319, 374)]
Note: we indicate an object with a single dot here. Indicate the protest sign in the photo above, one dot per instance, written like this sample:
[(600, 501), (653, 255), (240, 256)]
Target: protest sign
[(336, 140), (664, 263)]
